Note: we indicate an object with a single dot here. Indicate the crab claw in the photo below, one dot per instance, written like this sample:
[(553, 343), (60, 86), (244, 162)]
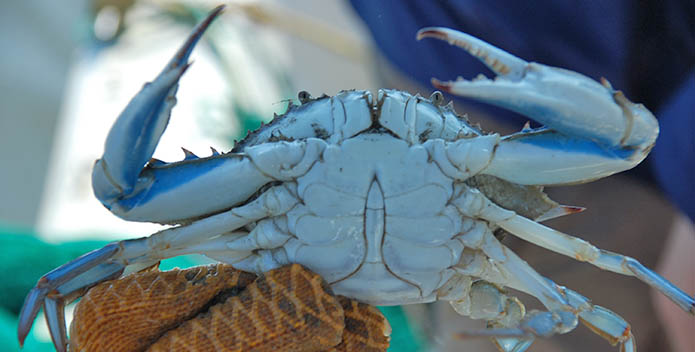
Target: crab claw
[(564, 101), (134, 136)]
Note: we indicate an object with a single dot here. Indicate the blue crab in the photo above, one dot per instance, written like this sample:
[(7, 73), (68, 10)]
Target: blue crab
[(392, 198)]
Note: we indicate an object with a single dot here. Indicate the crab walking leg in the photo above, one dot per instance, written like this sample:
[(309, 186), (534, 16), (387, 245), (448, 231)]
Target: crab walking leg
[(473, 203), (584, 251), (46, 289), (600, 320), (110, 261), (513, 272), (565, 306), (484, 300), (594, 131)]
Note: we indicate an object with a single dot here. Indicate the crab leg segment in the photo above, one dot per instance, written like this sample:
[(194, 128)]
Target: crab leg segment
[(591, 118), (67, 282), (585, 251), (600, 320), (47, 292), (556, 159), (474, 204), (566, 307)]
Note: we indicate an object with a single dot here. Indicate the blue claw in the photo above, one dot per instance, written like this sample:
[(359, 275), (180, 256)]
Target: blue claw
[(184, 52), (563, 100), (134, 137), (592, 131)]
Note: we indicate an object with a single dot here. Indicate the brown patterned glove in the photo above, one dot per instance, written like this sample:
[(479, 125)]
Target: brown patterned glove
[(219, 308)]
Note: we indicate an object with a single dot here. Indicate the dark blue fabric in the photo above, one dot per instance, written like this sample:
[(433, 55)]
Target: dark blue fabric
[(674, 154), (646, 49)]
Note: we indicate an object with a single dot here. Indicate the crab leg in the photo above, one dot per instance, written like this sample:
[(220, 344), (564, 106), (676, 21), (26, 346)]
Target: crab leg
[(474, 204), (565, 306), (67, 282), (516, 273), (592, 130), (600, 320), (584, 251)]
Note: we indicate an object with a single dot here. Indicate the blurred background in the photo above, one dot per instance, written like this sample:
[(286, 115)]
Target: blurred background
[(69, 68)]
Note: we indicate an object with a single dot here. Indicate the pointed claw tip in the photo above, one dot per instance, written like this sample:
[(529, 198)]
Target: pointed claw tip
[(441, 85), (450, 36), (454, 37), (606, 83), (21, 336), (23, 330), (218, 9), (211, 16), (571, 209), (181, 56), (29, 312), (430, 32)]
